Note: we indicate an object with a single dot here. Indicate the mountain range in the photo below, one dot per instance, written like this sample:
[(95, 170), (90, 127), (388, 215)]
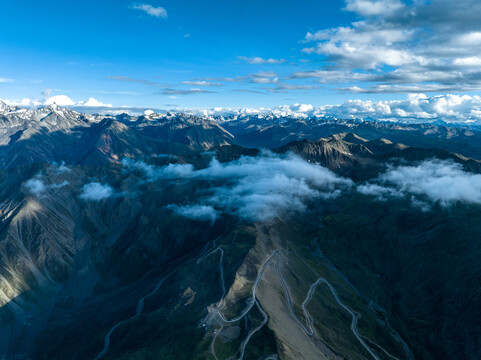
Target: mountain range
[(173, 236)]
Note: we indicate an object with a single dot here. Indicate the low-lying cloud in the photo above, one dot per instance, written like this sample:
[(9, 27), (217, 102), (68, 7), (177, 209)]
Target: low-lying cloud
[(36, 186), (196, 212), (96, 191), (441, 181), (254, 188)]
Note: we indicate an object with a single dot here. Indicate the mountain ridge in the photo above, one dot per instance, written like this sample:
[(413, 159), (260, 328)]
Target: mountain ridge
[(116, 229)]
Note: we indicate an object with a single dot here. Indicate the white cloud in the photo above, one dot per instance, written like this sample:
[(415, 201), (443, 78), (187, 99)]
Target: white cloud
[(265, 80), (61, 168), (468, 61), (401, 46), (284, 86), (4, 80), (196, 212), (96, 191), (158, 12), (379, 191), (36, 186), (259, 60), (416, 108), (26, 102), (363, 46), (264, 74), (374, 7), (201, 83), (93, 103), (255, 188), (171, 171), (61, 100), (460, 109), (191, 91), (436, 180)]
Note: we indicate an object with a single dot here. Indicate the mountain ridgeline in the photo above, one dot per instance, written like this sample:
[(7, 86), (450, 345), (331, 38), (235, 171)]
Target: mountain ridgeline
[(171, 236)]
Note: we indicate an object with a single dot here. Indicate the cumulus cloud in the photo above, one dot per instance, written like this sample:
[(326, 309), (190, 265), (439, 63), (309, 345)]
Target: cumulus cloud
[(91, 102), (401, 46), (25, 102), (158, 12), (196, 212), (374, 7), (255, 188), (439, 181), (259, 60), (62, 100), (96, 191), (415, 108), (37, 186)]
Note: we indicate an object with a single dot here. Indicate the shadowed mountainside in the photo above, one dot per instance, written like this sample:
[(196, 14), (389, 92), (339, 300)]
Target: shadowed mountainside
[(166, 255)]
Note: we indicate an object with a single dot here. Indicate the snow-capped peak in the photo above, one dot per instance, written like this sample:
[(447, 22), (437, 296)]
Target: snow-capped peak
[(53, 106), (4, 107)]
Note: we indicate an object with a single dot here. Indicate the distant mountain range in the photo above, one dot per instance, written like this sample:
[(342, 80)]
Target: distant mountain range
[(172, 236)]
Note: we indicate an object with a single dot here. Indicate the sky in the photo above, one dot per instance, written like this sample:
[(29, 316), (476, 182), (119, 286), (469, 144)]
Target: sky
[(166, 54)]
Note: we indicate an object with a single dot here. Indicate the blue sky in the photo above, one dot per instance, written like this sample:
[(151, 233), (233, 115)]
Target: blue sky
[(203, 54)]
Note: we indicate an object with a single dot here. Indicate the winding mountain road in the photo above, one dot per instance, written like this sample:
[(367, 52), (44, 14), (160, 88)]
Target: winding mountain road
[(253, 331), (216, 309), (354, 316), (140, 307), (252, 299), (304, 307), (310, 330), (140, 303)]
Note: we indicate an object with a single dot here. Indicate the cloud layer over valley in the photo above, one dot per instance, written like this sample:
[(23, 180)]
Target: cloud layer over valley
[(254, 188), (264, 187), (435, 180)]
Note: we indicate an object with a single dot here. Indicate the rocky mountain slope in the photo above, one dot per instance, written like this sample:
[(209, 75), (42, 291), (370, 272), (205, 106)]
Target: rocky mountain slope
[(177, 237)]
